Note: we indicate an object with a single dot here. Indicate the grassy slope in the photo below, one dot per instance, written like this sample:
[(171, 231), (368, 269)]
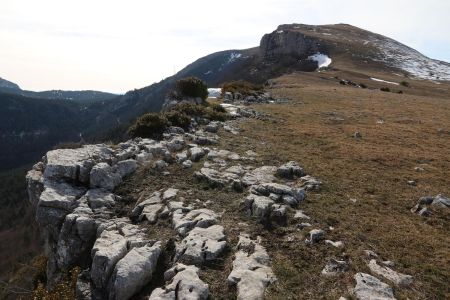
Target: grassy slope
[(373, 170)]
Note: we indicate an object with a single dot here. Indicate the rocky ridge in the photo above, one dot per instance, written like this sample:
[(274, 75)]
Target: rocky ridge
[(76, 208)]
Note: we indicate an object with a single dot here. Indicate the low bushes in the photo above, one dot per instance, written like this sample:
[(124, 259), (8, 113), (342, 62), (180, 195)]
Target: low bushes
[(191, 87), (240, 86), (153, 125)]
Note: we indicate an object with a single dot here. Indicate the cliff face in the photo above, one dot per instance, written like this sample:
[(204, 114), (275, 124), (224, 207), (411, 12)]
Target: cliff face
[(288, 42)]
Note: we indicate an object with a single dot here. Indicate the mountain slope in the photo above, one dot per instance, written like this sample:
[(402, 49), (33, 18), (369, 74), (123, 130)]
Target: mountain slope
[(30, 126), (86, 96), (285, 50)]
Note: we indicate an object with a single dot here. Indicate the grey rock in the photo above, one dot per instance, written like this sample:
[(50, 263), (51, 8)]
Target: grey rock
[(196, 218), (126, 167), (181, 157), (316, 235), (144, 157), (425, 200), (212, 127), (310, 183), (74, 164), (104, 176), (424, 212), (169, 194), (182, 282), (201, 245), (251, 270), (290, 170), (259, 175), (196, 153), (160, 165), (337, 244), (334, 267), (397, 278), (187, 164), (299, 214), (259, 207), (133, 272), (99, 198), (108, 249), (441, 201), (370, 288)]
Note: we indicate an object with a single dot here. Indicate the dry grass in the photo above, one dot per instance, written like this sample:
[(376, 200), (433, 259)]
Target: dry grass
[(316, 129)]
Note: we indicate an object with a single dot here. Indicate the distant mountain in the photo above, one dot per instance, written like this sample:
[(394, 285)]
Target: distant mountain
[(78, 96), (289, 48), (31, 122), (30, 126), (5, 84)]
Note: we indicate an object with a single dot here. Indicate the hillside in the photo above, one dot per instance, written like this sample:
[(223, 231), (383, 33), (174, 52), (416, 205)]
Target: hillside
[(334, 187), (30, 126)]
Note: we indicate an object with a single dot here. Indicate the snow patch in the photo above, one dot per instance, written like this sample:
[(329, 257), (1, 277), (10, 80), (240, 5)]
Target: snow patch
[(234, 56), (214, 92), (381, 80), (280, 31), (207, 73), (321, 59), (403, 57)]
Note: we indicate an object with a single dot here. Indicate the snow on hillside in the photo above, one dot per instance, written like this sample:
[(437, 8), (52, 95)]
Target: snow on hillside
[(381, 80), (214, 92), (418, 65), (321, 59)]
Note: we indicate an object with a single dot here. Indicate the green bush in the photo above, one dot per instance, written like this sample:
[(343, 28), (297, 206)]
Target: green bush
[(385, 89), (404, 83), (212, 112), (178, 119), (191, 87), (150, 125), (240, 86), (217, 107)]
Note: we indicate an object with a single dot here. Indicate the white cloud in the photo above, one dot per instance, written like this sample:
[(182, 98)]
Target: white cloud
[(119, 45)]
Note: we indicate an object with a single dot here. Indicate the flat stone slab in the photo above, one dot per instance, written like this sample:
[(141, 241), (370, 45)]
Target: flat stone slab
[(251, 269), (182, 282), (201, 245), (371, 288)]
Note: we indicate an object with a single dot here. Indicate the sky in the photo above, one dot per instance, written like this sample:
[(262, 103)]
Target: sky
[(117, 45)]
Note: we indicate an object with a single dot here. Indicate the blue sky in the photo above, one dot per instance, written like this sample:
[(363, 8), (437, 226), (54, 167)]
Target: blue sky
[(116, 46)]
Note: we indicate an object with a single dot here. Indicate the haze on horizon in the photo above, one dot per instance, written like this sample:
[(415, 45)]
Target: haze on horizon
[(116, 46)]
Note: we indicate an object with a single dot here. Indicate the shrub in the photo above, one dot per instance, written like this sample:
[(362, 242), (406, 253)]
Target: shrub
[(178, 119), (240, 86), (385, 89), (212, 112), (217, 107), (363, 86), (404, 83), (192, 87), (150, 125)]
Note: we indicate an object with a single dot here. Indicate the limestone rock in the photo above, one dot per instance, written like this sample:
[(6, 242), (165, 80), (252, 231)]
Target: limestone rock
[(74, 164), (290, 170), (316, 235), (133, 272), (334, 267), (201, 245), (182, 282), (108, 249), (251, 270), (370, 288), (397, 278), (104, 176)]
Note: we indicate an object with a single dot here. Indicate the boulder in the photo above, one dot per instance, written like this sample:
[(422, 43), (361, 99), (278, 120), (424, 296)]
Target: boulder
[(104, 176), (108, 249), (334, 267), (196, 153), (316, 235), (126, 167), (259, 207), (201, 245), (441, 201), (169, 194), (370, 288), (196, 218), (290, 170), (133, 271), (251, 269), (182, 282), (74, 164), (397, 278)]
